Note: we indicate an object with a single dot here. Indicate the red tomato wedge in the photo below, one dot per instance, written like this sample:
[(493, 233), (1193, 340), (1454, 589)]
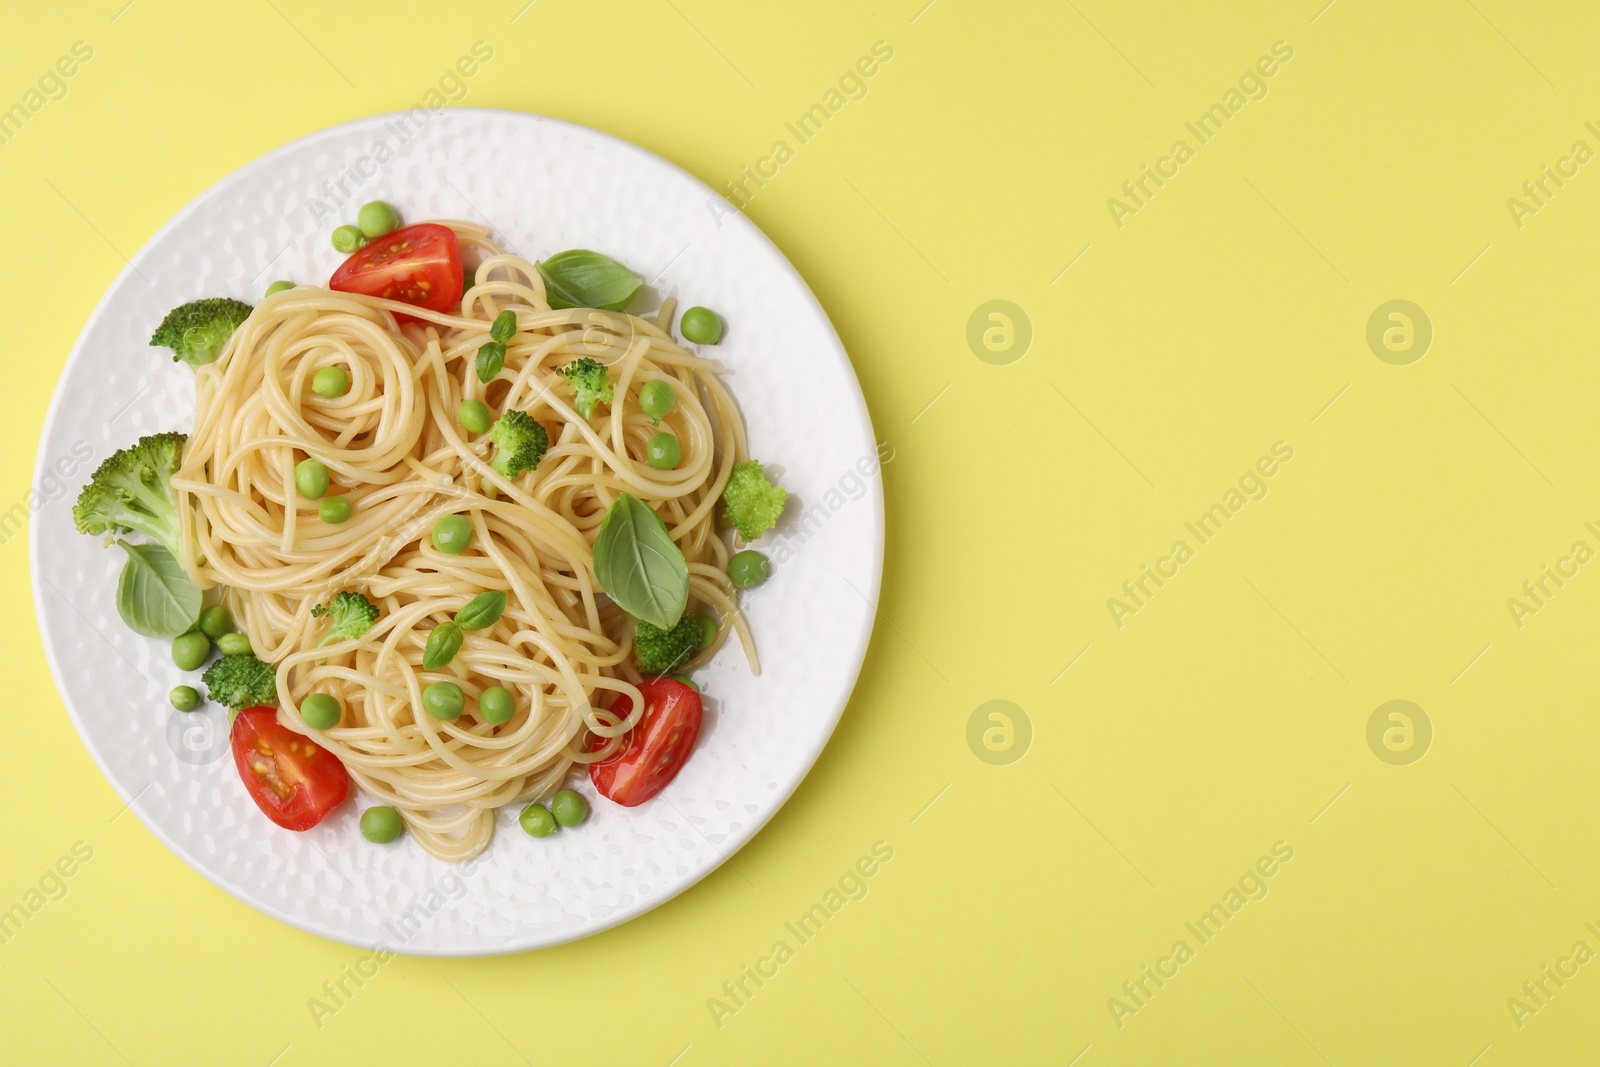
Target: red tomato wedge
[(657, 747), (418, 265), (292, 779)]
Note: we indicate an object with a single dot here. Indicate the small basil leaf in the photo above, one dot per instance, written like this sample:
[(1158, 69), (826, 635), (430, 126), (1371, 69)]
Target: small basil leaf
[(638, 564), (443, 644), (505, 326), (491, 357), (583, 279), (482, 610), (154, 596)]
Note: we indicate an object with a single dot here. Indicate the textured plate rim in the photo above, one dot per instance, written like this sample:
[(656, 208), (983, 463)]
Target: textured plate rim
[(774, 803)]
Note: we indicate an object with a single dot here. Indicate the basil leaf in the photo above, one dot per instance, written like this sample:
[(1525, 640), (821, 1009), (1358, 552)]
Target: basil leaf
[(482, 610), (638, 564), (491, 357), (154, 596), (443, 644), (583, 279)]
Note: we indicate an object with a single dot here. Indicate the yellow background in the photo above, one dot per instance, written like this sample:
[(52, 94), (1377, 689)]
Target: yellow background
[(1224, 717)]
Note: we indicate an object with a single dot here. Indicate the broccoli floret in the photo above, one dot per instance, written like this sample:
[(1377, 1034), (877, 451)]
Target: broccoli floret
[(241, 681), (351, 615), (519, 443), (658, 651), (132, 490), (750, 502), (196, 331), (590, 383)]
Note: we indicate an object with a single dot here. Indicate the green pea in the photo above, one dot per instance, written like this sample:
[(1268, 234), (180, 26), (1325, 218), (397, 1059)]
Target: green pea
[(491, 357), (658, 398), (701, 326), (349, 239), (684, 679), (505, 326), (663, 451), (216, 621), (444, 700), (381, 825), (334, 509), (537, 820), (321, 711), (190, 650), (278, 287), (569, 807), (748, 569), (377, 218), (311, 478), (706, 630), (234, 645), (496, 705), (330, 382), (185, 698), (473, 416), (453, 534)]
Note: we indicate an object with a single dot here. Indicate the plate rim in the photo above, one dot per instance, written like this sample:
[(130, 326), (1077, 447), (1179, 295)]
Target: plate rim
[(621, 915)]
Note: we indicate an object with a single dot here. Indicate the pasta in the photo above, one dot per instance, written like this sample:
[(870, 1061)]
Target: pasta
[(394, 447)]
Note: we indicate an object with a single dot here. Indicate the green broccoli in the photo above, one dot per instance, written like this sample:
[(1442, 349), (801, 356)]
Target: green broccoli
[(241, 681), (196, 331), (351, 613), (750, 502), (590, 383), (132, 490), (520, 442), (658, 651)]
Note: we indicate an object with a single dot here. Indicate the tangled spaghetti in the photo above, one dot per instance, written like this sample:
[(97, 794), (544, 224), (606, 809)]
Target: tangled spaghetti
[(394, 448)]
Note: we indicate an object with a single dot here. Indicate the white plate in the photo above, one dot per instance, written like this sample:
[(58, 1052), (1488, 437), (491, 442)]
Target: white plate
[(543, 186)]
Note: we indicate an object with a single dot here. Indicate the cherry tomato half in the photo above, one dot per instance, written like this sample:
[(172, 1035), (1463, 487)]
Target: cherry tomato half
[(657, 747), (292, 779), (418, 265)]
